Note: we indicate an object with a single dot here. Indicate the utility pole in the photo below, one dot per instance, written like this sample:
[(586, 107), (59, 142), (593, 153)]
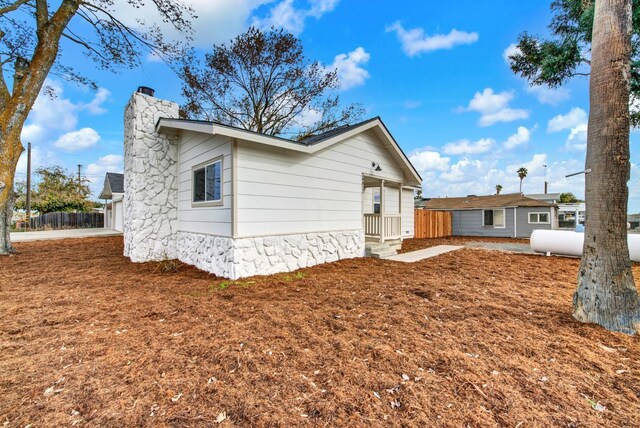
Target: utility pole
[(28, 207), (79, 179)]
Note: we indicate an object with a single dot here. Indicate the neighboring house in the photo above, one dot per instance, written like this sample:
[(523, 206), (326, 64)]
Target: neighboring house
[(571, 214), (507, 215), (113, 194), (238, 203)]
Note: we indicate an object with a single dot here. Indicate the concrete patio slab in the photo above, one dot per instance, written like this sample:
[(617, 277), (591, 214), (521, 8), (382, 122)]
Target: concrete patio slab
[(416, 256), (45, 235)]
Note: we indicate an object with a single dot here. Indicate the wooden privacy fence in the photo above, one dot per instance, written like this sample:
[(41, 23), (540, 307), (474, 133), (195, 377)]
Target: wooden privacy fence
[(432, 224), (67, 221)]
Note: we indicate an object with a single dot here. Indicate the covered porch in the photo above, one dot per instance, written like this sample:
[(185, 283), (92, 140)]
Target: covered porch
[(382, 221)]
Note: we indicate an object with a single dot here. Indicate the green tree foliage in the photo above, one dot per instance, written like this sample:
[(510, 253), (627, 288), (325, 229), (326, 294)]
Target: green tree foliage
[(522, 173), (59, 191), (568, 198), (262, 81), (498, 189), (552, 62)]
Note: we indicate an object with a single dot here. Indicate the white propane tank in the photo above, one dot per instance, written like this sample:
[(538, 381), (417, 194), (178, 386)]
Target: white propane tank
[(569, 243)]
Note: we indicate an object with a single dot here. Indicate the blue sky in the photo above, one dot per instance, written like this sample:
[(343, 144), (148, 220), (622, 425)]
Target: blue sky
[(434, 71)]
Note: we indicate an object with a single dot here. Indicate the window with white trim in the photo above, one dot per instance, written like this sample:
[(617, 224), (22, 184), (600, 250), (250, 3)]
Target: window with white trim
[(539, 218), (493, 218), (207, 183), (376, 200)]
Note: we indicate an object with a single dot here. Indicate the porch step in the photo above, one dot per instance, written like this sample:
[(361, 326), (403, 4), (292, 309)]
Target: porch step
[(383, 254), (381, 250)]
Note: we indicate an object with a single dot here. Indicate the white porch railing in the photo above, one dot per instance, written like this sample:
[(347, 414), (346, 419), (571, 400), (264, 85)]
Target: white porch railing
[(387, 226)]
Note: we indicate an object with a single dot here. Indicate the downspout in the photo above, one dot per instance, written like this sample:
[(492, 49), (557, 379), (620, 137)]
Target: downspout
[(515, 222)]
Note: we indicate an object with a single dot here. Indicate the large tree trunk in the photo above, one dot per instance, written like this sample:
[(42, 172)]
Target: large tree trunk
[(606, 292), (5, 223), (28, 78)]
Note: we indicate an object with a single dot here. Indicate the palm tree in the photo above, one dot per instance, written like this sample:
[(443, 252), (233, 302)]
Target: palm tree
[(522, 173), (498, 189), (606, 293)]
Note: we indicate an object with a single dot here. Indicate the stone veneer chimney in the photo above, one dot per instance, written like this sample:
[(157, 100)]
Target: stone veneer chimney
[(150, 181)]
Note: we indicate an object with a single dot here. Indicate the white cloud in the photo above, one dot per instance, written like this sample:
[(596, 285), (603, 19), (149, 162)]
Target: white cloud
[(521, 137), (54, 112), (534, 166), (511, 50), (95, 106), (577, 139), (53, 115), (349, 68), (308, 117), (546, 95), (96, 171), (285, 14), (320, 7), (217, 20), (428, 160), (463, 169), (77, 140), (494, 107), (575, 117), (415, 41), (32, 132), (466, 147)]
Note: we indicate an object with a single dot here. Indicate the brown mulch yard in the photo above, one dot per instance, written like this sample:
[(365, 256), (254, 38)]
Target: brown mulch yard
[(418, 244), (467, 339)]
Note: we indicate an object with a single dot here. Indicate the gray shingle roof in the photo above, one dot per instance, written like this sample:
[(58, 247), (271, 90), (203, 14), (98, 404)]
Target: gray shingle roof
[(116, 182), (480, 202)]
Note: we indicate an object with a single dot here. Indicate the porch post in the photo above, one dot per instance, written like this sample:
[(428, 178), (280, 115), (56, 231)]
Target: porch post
[(400, 207), (381, 218)]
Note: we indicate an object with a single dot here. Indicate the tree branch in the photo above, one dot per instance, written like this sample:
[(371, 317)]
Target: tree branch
[(12, 7), (42, 15)]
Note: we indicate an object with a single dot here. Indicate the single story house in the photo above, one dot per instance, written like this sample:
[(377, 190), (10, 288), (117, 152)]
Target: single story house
[(113, 195), (509, 215), (238, 203)]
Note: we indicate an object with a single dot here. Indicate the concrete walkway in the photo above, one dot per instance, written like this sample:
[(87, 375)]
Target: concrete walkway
[(62, 234), (416, 256), (509, 247)]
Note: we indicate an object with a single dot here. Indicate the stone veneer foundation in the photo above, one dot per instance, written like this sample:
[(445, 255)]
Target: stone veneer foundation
[(242, 257)]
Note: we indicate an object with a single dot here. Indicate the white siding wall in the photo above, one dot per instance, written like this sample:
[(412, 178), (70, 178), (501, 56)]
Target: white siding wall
[(286, 192), (195, 149), (408, 229), (118, 215), (367, 201)]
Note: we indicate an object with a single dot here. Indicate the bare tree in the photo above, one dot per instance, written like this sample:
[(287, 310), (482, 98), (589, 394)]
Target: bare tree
[(606, 293), (263, 82), (31, 36)]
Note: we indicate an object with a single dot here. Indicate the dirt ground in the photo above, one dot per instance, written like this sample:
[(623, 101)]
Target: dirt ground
[(419, 244), (472, 338)]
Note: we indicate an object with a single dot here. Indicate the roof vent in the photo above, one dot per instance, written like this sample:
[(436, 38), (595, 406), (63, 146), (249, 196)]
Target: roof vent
[(472, 196), (145, 90)]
